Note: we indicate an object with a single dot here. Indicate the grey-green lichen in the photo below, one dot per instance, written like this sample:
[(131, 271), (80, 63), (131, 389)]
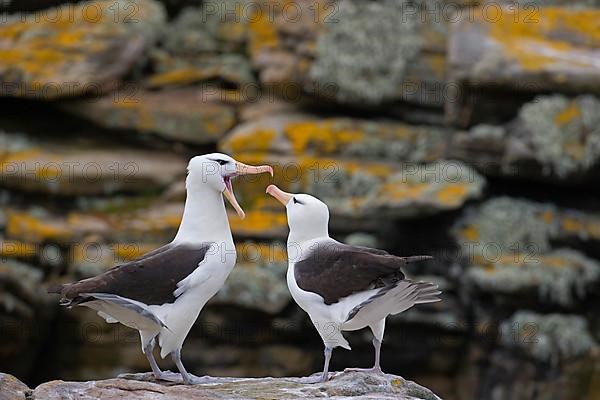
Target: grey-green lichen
[(547, 338), (419, 144), (212, 28), (364, 52), (338, 184), (561, 276), (488, 132), (563, 134), (513, 225)]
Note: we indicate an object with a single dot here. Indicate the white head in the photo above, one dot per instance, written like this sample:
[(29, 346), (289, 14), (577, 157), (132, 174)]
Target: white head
[(308, 217), (215, 171)]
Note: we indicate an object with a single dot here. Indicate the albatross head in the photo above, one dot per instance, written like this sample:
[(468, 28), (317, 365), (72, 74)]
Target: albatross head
[(308, 217), (216, 170)]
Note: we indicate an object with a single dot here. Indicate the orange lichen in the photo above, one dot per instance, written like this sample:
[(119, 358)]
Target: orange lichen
[(470, 232), (571, 225), (130, 251), (554, 37), (263, 33), (547, 217), (452, 194), (182, 76), (323, 136), (15, 249), (567, 115), (257, 140), (64, 45), (21, 225), (397, 191)]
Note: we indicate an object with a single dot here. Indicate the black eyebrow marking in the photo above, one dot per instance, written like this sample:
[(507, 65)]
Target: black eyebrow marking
[(296, 201)]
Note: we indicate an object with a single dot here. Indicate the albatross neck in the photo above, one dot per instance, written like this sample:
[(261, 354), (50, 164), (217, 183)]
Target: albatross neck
[(204, 217)]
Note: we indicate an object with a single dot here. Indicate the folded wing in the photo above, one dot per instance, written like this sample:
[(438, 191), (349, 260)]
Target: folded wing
[(335, 270), (150, 280)]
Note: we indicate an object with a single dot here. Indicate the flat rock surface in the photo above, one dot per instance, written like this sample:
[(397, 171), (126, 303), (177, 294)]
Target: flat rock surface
[(139, 386)]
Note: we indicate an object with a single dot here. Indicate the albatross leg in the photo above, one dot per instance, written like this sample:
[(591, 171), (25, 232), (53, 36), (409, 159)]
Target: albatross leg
[(189, 379), (377, 338), (324, 377), (158, 374)]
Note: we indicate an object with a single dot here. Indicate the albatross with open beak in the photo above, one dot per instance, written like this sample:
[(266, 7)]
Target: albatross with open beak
[(161, 293), (343, 287)]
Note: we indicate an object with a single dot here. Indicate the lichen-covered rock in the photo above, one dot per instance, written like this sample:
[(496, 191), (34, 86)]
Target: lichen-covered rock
[(359, 168), (548, 338), (344, 137), (342, 386), (553, 138), (510, 246), (205, 43), (75, 49), (61, 168), (364, 51), (366, 190), (562, 134), (12, 388), (559, 277), (187, 115), (516, 226), (544, 49), (352, 52)]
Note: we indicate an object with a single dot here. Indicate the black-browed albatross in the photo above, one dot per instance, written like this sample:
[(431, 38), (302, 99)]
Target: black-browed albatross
[(343, 287), (161, 293)]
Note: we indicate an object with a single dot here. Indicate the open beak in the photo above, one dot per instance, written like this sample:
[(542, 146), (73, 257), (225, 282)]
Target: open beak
[(283, 197), (242, 169)]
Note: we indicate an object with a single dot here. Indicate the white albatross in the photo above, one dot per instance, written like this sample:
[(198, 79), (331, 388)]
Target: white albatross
[(162, 293), (343, 287)]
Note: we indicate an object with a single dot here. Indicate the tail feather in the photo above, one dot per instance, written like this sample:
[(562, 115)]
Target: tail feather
[(398, 298)]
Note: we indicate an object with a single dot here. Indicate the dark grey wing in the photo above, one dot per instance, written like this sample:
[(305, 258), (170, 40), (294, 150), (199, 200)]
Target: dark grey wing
[(335, 270), (151, 279)]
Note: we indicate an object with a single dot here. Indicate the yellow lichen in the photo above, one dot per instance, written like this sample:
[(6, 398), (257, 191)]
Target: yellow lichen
[(263, 33), (257, 140), (321, 135), (571, 225), (16, 249), (552, 36), (182, 76), (397, 191), (452, 194), (21, 225), (470, 233), (548, 217), (567, 115), (131, 251)]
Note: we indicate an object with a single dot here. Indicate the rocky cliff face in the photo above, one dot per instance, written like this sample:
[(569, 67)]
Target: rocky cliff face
[(469, 132)]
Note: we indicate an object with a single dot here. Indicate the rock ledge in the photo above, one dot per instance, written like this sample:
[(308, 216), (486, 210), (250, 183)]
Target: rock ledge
[(356, 385)]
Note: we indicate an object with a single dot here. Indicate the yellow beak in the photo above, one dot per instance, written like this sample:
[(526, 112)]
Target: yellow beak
[(283, 197), (242, 169)]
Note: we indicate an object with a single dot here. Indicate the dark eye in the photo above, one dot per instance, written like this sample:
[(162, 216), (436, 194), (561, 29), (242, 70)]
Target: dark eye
[(221, 162), (296, 201)]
